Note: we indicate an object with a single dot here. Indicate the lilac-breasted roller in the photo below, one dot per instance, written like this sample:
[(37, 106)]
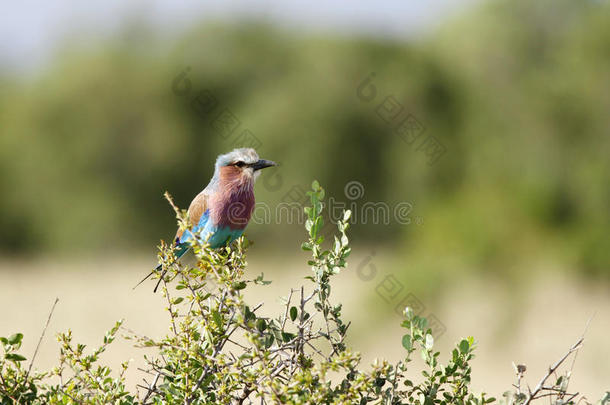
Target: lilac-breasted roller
[(220, 213)]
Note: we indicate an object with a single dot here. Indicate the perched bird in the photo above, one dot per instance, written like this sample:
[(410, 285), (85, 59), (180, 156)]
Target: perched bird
[(222, 210)]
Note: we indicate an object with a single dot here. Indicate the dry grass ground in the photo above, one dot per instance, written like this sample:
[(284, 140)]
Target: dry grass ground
[(535, 330)]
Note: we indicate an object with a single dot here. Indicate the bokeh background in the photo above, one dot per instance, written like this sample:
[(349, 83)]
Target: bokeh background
[(105, 105)]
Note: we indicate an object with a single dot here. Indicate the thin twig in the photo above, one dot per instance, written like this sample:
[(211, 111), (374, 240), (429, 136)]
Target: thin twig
[(552, 369), (41, 337), (574, 348), (151, 388)]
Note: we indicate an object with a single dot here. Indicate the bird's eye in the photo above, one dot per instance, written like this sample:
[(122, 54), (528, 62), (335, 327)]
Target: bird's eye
[(239, 164)]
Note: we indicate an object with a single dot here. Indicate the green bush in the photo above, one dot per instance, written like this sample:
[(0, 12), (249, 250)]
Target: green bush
[(220, 350)]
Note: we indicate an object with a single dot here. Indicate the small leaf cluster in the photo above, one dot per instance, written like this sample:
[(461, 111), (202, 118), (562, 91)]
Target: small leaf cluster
[(82, 379), (16, 383), (78, 379), (442, 384), (326, 263)]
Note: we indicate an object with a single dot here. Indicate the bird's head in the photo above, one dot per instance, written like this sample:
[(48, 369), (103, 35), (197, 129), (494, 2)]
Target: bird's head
[(241, 163)]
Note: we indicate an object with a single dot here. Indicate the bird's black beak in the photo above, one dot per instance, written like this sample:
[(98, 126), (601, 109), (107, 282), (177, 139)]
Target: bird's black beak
[(262, 163)]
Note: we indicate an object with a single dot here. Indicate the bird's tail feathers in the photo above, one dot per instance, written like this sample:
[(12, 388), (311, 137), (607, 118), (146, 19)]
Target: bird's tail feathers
[(159, 282), (146, 278)]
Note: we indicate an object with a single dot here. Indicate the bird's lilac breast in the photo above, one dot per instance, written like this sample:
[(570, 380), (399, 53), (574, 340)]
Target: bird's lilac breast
[(232, 208)]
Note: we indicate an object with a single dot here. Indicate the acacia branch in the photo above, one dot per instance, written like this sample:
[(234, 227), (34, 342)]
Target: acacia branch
[(540, 387)]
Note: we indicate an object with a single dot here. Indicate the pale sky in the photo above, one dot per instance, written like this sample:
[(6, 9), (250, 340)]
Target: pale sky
[(31, 29)]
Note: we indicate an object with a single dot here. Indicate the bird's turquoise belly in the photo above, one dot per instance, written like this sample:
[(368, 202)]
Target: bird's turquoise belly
[(216, 236), (221, 236)]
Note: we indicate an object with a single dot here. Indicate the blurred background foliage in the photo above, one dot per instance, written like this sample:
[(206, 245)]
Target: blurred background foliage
[(517, 94)]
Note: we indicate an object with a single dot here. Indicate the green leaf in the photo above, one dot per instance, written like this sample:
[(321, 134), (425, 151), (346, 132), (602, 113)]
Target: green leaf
[(15, 339), (14, 357), (178, 300), (308, 225), (464, 346), (379, 381), (347, 214), (261, 325), (407, 342), (293, 313), (429, 341), (217, 318), (344, 240), (240, 285), (269, 341), (249, 314)]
